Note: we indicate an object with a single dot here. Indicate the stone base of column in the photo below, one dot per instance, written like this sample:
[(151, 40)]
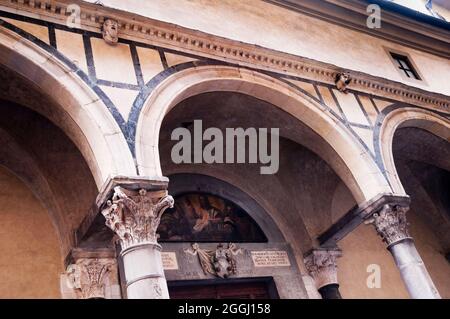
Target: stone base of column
[(144, 272), (330, 292)]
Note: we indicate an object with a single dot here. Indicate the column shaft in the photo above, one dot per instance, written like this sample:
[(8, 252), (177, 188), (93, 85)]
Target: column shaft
[(391, 225), (330, 292), (413, 271), (144, 272), (134, 214)]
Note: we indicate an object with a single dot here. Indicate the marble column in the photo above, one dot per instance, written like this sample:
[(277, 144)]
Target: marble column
[(133, 211), (391, 225), (322, 266)]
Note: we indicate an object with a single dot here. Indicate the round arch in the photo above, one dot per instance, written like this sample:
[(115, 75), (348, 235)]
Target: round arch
[(348, 158), (407, 117), (80, 113)]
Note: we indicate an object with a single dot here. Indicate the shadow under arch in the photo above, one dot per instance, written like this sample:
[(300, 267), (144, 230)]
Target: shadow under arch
[(80, 113), (345, 154), (398, 116)]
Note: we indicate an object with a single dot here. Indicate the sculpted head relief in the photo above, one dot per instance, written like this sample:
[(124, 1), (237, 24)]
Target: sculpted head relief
[(110, 31)]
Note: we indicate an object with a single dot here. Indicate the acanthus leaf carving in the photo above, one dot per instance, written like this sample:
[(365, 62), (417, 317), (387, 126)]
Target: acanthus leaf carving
[(390, 223), (322, 266), (87, 277), (135, 217)]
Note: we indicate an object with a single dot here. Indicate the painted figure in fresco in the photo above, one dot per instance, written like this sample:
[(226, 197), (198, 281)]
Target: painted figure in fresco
[(209, 214), (199, 217)]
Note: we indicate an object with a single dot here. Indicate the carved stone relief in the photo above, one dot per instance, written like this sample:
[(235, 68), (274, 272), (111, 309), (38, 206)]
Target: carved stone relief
[(110, 31), (135, 215), (342, 81), (219, 262), (88, 277), (390, 223), (322, 266)]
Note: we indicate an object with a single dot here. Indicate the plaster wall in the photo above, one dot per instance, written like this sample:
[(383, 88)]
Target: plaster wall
[(30, 262)]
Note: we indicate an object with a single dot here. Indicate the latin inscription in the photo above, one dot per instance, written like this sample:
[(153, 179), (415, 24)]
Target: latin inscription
[(169, 260), (270, 258)]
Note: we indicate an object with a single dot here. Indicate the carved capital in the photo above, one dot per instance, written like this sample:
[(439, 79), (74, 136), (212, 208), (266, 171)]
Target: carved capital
[(390, 223), (88, 277), (322, 266), (135, 215)]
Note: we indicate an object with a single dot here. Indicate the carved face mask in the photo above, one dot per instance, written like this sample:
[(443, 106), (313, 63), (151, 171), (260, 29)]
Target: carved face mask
[(110, 31)]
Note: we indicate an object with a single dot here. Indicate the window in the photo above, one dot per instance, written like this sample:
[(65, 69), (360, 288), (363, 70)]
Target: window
[(405, 66)]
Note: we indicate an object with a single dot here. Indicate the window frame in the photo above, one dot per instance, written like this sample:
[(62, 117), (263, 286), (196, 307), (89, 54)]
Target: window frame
[(392, 53)]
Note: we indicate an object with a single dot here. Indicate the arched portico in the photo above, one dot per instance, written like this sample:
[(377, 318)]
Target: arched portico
[(80, 113), (348, 158), (401, 118)]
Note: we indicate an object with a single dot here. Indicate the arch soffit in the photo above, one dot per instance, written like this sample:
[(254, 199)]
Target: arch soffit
[(406, 116)]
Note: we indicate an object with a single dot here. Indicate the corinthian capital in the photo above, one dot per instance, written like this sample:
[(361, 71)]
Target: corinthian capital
[(88, 276), (322, 266), (135, 215), (390, 223)]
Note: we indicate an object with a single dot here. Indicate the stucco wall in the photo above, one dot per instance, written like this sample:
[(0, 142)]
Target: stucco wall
[(363, 247), (30, 260)]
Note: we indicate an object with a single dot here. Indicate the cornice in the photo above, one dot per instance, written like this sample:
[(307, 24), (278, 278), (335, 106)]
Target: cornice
[(395, 27), (140, 29)]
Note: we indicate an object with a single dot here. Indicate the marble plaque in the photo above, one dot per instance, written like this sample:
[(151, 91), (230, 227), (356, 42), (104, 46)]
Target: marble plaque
[(270, 258), (169, 260)]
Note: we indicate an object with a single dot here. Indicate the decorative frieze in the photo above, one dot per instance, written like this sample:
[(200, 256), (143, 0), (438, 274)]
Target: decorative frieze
[(149, 31), (390, 223), (88, 277), (135, 215), (322, 266)]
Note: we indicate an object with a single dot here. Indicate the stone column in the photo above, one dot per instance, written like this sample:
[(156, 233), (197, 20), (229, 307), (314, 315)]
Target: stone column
[(133, 211), (91, 278), (391, 225), (321, 265)]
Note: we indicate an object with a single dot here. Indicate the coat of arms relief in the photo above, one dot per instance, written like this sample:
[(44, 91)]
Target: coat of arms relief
[(220, 262)]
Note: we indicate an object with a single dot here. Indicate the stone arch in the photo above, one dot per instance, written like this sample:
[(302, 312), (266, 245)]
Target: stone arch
[(407, 117), (80, 113), (348, 158)]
